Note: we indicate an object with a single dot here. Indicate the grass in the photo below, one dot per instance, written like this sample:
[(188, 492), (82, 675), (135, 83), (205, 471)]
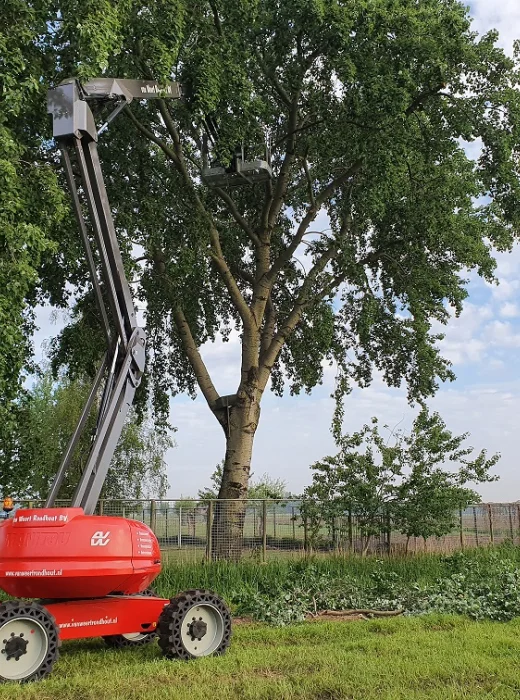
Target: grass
[(431, 657)]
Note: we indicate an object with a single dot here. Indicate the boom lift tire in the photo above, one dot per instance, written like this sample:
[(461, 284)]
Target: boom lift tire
[(29, 641), (196, 623)]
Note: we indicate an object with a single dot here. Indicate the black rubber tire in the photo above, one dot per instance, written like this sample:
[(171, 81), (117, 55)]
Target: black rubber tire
[(13, 609), (119, 641), (174, 615)]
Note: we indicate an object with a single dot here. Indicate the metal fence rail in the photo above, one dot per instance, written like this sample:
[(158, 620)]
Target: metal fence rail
[(270, 529)]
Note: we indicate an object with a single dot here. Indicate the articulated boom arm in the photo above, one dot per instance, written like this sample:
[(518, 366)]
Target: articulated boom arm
[(121, 370)]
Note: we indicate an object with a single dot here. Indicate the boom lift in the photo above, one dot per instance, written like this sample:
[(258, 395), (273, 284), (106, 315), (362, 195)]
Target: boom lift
[(88, 575)]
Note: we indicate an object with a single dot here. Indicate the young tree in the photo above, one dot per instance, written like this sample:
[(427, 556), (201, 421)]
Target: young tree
[(48, 416), (361, 483), (408, 481), (428, 500), (428, 505), (366, 107)]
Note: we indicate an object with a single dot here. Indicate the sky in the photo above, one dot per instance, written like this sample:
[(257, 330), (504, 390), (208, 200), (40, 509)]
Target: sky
[(483, 344)]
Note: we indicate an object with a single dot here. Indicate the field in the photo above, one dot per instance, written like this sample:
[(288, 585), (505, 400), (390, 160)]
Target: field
[(432, 657)]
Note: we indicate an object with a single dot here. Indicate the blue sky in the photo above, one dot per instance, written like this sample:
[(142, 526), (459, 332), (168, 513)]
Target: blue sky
[(483, 345)]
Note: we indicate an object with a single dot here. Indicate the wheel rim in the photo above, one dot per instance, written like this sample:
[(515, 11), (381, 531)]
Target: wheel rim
[(202, 629), (134, 636), (23, 647)]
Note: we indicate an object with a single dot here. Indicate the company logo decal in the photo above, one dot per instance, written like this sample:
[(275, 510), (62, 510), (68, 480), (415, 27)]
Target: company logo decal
[(100, 539)]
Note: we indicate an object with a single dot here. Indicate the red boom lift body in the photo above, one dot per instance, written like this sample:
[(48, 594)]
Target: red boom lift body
[(91, 573)]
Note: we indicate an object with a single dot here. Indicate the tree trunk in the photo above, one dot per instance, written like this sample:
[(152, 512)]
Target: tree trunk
[(228, 523)]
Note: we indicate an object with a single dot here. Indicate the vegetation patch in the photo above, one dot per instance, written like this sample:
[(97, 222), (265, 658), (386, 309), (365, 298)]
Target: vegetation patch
[(481, 584)]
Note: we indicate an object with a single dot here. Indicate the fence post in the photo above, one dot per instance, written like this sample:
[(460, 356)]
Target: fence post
[(335, 534), (491, 532), (350, 532), (153, 516), (179, 536), (475, 524), (209, 522), (293, 518), (461, 529), (388, 530), (305, 535), (511, 524), (264, 529), (275, 503)]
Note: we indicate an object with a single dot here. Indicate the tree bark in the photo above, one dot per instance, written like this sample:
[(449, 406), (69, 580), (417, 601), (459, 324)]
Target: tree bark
[(228, 523)]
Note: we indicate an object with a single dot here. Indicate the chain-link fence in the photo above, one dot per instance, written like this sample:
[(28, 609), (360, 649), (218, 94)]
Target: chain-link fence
[(266, 529)]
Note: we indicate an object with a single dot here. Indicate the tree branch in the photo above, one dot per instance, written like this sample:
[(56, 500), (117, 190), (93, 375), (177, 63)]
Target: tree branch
[(311, 214), (283, 176), (241, 221), (216, 18), (269, 327), (172, 130), (192, 353), (215, 252), (268, 358), (242, 274), (298, 130), (309, 183), (271, 77), (337, 182), (227, 277), (424, 96), (150, 135)]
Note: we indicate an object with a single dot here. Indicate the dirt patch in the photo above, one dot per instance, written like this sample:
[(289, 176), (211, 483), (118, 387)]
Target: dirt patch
[(338, 617), (243, 620), (335, 615)]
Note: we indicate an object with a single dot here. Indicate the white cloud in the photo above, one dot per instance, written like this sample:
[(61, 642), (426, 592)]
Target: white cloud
[(505, 290), (502, 334), (503, 16), (509, 310), (462, 342)]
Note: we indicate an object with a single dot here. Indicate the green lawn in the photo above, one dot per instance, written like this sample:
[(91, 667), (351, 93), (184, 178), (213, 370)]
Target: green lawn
[(434, 657)]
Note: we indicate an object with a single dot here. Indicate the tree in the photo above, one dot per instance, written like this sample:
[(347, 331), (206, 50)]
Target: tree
[(362, 484), (31, 203), (366, 107), (428, 500), (405, 482), (48, 416)]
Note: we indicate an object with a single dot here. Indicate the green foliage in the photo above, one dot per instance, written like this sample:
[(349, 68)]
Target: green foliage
[(31, 203), (481, 584), (48, 415), (407, 482)]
